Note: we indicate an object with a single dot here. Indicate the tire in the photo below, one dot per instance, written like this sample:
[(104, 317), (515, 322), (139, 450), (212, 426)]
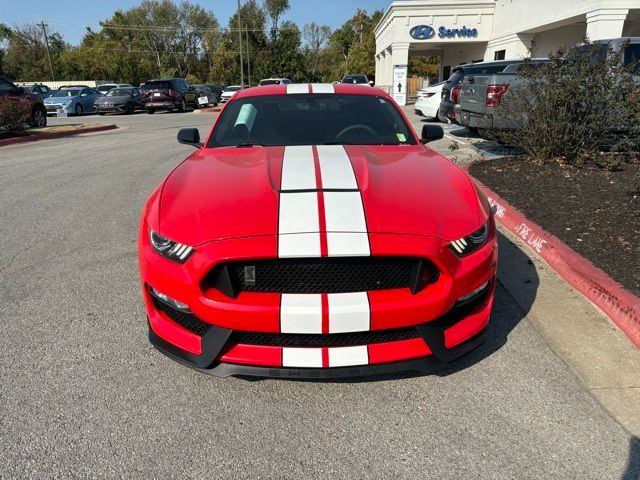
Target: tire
[(437, 117), (130, 108), (38, 117), (101, 114), (183, 106), (78, 110), (473, 130), (151, 111)]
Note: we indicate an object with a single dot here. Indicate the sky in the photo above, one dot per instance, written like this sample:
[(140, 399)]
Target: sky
[(71, 17)]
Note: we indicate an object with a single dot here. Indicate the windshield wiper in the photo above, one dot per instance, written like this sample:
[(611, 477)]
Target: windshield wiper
[(249, 144)]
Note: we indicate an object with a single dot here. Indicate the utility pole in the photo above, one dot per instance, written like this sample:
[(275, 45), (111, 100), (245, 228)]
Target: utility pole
[(240, 43), (248, 59), (46, 41)]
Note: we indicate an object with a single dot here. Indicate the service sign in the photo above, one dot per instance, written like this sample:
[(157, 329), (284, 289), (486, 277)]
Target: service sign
[(426, 32), (400, 84)]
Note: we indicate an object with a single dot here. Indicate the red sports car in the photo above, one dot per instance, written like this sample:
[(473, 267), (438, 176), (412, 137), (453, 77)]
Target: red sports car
[(314, 235)]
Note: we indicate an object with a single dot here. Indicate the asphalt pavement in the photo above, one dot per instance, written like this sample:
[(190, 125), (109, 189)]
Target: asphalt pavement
[(83, 394)]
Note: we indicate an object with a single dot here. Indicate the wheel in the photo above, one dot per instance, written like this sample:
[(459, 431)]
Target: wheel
[(38, 117), (101, 114), (183, 105), (130, 108), (78, 110), (151, 111)]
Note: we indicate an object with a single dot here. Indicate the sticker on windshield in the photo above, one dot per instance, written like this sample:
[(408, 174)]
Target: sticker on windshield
[(401, 137)]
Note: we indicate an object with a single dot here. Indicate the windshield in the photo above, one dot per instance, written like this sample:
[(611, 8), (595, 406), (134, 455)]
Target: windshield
[(232, 89), (269, 82), (66, 93), (104, 88), (119, 92), (311, 119), (156, 86), (354, 79)]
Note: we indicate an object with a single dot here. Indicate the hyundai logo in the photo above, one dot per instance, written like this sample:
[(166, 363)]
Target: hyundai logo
[(422, 32)]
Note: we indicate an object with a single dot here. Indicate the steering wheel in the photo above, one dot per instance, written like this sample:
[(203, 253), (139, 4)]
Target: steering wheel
[(357, 126)]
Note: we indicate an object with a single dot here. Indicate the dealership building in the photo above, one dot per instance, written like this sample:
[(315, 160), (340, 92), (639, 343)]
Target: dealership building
[(465, 31)]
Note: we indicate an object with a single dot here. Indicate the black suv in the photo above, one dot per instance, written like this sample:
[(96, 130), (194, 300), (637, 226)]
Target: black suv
[(168, 94), (450, 106)]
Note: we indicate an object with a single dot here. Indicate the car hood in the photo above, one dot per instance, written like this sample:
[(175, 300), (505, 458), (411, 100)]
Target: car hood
[(113, 99), (57, 99), (239, 192)]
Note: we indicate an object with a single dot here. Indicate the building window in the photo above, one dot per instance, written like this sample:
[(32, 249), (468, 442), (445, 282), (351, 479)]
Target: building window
[(499, 55), (446, 72)]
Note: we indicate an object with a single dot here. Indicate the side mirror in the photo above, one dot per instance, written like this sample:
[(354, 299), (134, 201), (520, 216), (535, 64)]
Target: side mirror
[(431, 133), (190, 136), (371, 83)]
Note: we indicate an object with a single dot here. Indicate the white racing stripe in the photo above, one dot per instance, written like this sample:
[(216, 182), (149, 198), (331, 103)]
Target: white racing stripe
[(335, 167), (293, 88), (322, 88), (348, 356), (346, 224), (348, 312), (298, 169), (301, 313), (298, 225), (302, 357)]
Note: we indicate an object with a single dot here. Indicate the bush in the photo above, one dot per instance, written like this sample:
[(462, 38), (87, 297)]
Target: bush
[(14, 116), (572, 106)]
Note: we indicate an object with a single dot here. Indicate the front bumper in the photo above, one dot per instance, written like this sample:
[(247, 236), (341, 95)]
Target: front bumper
[(54, 108), (111, 108), (161, 105), (434, 330)]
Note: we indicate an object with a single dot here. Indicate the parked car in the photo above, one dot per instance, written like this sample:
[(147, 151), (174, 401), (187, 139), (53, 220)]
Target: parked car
[(274, 81), (340, 265), (357, 79), (168, 94), (217, 89), (35, 88), (11, 92), (481, 92), (119, 100), (229, 92), (449, 106), (206, 96), (428, 102), (72, 101), (105, 87)]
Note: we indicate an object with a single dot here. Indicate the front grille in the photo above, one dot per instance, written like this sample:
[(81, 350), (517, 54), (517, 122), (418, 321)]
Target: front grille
[(321, 275), (328, 340), (186, 320)]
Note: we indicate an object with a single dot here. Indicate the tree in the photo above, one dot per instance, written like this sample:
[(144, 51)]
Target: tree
[(315, 39), (24, 55), (275, 8)]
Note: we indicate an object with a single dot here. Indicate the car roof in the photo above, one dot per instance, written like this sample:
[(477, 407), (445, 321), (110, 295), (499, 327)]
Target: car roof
[(340, 88)]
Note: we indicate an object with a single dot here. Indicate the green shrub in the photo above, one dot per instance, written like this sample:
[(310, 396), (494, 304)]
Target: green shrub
[(14, 116), (582, 100)]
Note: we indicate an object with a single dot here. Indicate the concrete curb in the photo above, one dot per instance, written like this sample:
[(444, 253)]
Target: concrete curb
[(207, 110), (64, 133), (620, 305)]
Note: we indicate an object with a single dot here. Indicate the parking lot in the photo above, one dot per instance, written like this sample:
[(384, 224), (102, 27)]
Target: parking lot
[(84, 394)]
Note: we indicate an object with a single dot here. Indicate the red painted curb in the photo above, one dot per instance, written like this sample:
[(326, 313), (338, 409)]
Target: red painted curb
[(46, 136), (620, 305)]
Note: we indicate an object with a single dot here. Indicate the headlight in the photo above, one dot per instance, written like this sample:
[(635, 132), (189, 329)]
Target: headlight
[(178, 252), (469, 244)]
